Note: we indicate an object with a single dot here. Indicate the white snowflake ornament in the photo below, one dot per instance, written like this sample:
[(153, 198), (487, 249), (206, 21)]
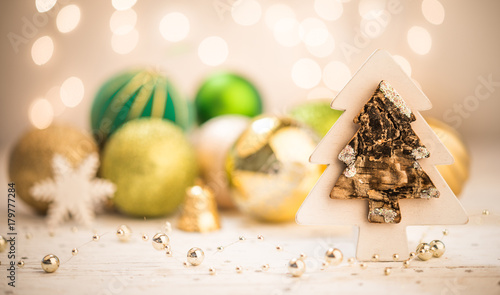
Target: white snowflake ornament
[(72, 191)]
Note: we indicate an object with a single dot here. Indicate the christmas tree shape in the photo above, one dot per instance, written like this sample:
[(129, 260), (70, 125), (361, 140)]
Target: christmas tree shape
[(381, 157)]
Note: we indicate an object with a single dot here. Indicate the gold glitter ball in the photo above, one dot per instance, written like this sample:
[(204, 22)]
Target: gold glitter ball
[(50, 263), (195, 256), (160, 241), (334, 256), (437, 248), (199, 212), (424, 251), (296, 267)]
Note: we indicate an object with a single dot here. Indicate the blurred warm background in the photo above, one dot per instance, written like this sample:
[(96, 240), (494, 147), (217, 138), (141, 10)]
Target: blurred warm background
[(55, 55)]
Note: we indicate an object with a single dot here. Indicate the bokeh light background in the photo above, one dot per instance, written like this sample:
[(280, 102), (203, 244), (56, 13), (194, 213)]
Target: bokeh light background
[(56, 54)]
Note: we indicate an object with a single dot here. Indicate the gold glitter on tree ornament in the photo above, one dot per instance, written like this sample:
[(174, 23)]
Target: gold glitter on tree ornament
[(199, 212), (50, 263)]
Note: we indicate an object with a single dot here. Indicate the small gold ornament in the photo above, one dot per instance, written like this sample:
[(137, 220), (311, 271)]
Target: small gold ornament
[(239, 269), (296, 267), (220, 248), (95, 238), (74, 251), (424, 251), (185, 263), (279, 248), (160, 241), (268, 168), (265, 267), (212, 271), (387, 271), (446, 232), (406, 263), (241, 238), (3, 244), (375, 257), (50, 263), (324, 265), (195, 256), (334, 256), (145, 237), (124, 233), (20, 263), (363, 265), (413, 255), (351, 260), (199, 212), (260, 237), (437, 248), (395, 257), (302, 256), (168, 253), (486, 212)]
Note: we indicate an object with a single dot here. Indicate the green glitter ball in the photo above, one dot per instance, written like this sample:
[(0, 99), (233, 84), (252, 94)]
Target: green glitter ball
[(135, 94), (151, 163), (316, 114), (225, 93)]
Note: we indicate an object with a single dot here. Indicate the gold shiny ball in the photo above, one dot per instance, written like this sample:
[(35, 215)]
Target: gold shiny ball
[(324, 265), (168, 248), (302, 256), (267, 180), (195, 256), (241, 238), (413, 255), (351, 260), (145, 237), (265, 267), (446, 232), (50, 263), (363, 265), (437, 248), (395, 257), (212, 271), (168, 253), (296, 267), (123, 233), (260, 237), (424, 251), (220, 248), (185, 263), (375, 257), (486, 212), (95, 238), (74, 251), (160, 241), (31, 158), (239, 269), (406, 263), (279, 248), (3, 244), (20, 264), (334, 256), (387, 271)]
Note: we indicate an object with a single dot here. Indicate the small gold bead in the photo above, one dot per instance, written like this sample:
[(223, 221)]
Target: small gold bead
[(28, 236), (260, 237), (212, 271), (406, 263), (220, 248), (160, 241), (351, 260), (395, 257), (185, 263), (302, 256), (387, 271), (334, 256), (123, 232), (413, 255), (486, 212), (195, 256), (363, 265), (239, 269), (20, 264), (296, 267), (324, 265), (95, 238), (74, 251), (241, 238), (265, 267), (375, 257), (168, 253), (424, 251), (437, 248), (279, 248), (50, 263), (145, 237), (446, 232)]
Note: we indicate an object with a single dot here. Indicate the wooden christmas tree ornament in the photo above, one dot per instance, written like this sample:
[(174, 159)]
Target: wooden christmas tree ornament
[(381, 158)]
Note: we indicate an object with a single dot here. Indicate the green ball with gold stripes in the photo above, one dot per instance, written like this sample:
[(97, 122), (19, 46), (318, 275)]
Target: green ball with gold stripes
[(134, 94)]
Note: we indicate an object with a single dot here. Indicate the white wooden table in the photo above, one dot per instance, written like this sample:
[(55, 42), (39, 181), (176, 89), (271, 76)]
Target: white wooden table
[(471, 264)]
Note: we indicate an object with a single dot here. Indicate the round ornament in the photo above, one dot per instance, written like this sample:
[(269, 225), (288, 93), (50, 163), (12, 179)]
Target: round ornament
[(226, 93), (268, 168), (437, 248), (195, 256), (456, 174), (151, 163), (31, 158), (134, 94), (317, 114), (160, 241), (50, 263), (424, 251), (212, 142), (296, 267), (334, 256)]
